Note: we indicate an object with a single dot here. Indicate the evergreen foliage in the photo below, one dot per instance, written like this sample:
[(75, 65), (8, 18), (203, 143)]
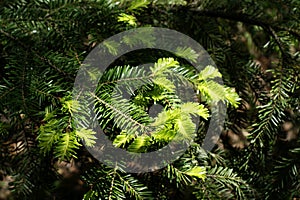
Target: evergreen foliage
[(255, 45)]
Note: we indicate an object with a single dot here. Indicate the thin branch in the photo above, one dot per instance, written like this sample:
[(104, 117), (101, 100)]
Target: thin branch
[(241, 17), (271, 31)]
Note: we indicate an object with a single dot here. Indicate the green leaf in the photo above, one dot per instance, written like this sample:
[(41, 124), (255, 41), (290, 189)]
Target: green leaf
[(198, 172), (195, 108), (187, 53), (212, 91), (164, 135), (129, 19), (162, 65), (185, 127), (66, 146), (138, 4), (122, 139), (143, 36), (232, 97), (70, 106), (87, 135), (170, 2), (140, 144), (166, 116), (209, 72), (111, 45), (47, 138), (164, 83)]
